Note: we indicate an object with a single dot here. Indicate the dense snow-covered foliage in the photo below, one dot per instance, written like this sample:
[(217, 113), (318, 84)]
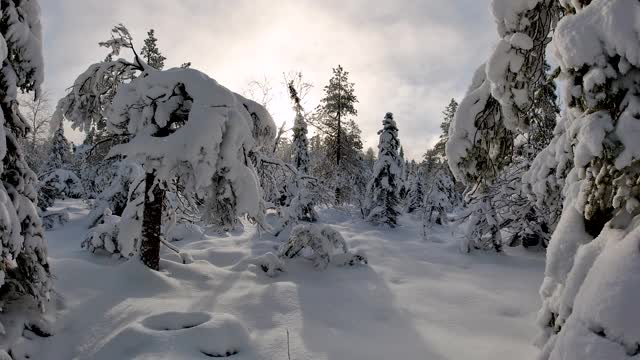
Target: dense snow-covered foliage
[(24, 268), (382, 203), (593, 158), (58, 184), (415, 196), (115, 196)]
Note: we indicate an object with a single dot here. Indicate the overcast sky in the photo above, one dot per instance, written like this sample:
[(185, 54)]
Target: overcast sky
[(407, 56)]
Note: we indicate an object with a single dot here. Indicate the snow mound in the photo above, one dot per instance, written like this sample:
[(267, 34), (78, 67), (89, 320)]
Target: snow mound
[(185, 231), (180, 335)]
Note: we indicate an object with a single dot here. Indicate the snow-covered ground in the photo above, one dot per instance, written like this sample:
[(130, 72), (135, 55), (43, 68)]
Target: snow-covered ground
[(415, 299)]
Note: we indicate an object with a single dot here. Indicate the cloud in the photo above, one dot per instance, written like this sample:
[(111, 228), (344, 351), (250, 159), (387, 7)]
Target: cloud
[(408, 57)]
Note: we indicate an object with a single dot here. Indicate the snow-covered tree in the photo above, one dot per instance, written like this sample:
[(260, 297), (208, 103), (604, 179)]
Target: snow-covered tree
[(448, 114), (182, 124), (590, 280), (24, 268), (415, 197), (439, 196), (60, 150), (342, 136), (150, 52), (300, 142), (382, 191)]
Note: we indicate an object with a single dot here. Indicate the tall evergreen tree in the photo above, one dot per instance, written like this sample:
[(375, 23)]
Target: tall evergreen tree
[(382, 191), (151, 53), (24, 268), (334, 110)]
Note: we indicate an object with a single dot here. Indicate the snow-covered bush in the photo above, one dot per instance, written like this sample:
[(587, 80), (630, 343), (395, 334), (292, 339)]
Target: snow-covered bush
[(323, 241), (54, 219), (116, 195), (382, 200), (58, 184), (105, 235), (184, 231), (438, 197)]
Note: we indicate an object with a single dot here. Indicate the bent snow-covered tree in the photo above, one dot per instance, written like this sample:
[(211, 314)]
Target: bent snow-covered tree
[(590, 287), (23, 268), (382, 200), (181, 124)]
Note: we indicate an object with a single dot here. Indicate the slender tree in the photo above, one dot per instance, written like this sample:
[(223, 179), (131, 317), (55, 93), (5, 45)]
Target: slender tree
[(151, 53), (382, 191), (335, 107)]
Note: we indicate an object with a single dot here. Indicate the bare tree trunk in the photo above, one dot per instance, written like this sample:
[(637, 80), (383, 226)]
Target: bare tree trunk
[(151, 223)]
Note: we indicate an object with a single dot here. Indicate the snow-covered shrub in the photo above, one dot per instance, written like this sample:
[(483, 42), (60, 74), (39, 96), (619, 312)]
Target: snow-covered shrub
[(184, 231), (323, 241), (104, 235), (58, 184), (115, 196), (270, 263), (54, 219)]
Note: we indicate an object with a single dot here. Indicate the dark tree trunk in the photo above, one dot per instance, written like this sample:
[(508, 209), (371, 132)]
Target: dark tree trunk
[(151, 223)]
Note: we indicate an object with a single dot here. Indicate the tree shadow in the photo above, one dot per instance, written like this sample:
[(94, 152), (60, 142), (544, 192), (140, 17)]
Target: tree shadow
[(350, 313)]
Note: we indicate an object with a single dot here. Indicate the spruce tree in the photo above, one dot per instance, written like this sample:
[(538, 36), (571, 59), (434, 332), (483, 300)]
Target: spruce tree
[(382, 191), (150, 52), (300, 143), (60, 150), (24, 268), (415, 197)]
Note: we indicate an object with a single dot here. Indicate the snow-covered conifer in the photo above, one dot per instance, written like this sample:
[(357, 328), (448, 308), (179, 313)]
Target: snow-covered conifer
[(593, 157), (415, 197), (24, 268), (151, 53), (382, 191)]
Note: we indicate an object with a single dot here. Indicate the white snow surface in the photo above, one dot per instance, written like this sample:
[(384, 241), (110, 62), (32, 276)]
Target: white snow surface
[(415, 300)]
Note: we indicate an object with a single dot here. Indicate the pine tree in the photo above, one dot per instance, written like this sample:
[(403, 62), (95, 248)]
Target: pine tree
[(151, 53), (24, 268), (342, 136), (448, 114), (335, 108), (382, 191)]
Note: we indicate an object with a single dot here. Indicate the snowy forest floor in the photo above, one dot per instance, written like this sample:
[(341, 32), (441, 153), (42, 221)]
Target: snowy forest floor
[(416, 299)]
